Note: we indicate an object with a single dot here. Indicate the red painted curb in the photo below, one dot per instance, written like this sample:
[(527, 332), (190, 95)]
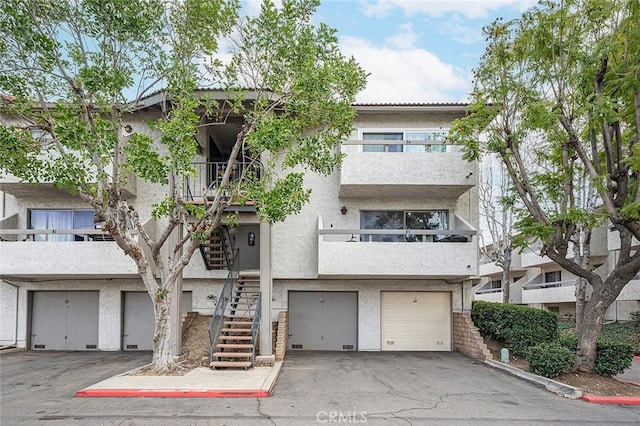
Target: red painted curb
[(636, 358), (626, 400), (170, 393)]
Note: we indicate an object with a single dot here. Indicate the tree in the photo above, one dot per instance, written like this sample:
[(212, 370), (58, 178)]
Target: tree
[(68, 66), (567, 74), (496, 206)]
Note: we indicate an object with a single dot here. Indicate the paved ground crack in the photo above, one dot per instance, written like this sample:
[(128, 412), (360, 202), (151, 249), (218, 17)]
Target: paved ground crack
[(264, 415), (393, 391)]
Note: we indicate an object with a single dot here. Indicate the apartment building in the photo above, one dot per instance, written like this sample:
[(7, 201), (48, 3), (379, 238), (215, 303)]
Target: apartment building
[(539, 282), (383, 257)]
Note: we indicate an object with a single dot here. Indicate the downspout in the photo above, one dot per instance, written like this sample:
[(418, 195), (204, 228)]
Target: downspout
[(15, 335)]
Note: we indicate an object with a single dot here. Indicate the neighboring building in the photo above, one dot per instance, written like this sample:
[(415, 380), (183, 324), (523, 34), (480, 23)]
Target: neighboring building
[(383, 257), (539, 282)]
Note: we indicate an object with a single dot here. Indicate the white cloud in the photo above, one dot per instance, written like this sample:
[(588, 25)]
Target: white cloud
[(468, 8), (406, 75), (404, 38), (456, 29)]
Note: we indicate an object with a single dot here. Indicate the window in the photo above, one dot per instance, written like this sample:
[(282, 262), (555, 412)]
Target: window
[(495, 284), (554, 309), (411, 136), (60, 219), (552, 277), (376, 219)]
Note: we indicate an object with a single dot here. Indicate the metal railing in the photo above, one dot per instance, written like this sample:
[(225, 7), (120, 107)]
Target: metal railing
[(208, 177), (79, 234), (489, 291), (255, 327), (223, 301), (554, 284), (403, 235)]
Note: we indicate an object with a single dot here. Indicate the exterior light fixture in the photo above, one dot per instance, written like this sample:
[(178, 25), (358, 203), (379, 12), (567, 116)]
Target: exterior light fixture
[(251, 239), (343, 210)]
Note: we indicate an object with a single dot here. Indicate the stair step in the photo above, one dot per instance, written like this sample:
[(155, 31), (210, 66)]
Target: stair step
[(235, 337), (239, 316), (244, 364), (232, 354), (234, 346), (249, 323), (249, 274), (235, 330)]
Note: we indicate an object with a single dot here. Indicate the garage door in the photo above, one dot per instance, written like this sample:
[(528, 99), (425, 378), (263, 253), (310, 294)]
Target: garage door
[(64, 320), (137, 330), (416, 321), (323, 320)]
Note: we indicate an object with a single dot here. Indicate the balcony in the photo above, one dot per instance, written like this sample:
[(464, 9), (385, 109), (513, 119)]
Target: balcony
[(538, 291), (86, 253), (208, 178), (436, 254), (27, 190), (489, 295), (428, 169)]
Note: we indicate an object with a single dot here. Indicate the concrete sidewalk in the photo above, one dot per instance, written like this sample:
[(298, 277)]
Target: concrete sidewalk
[(199, 383)]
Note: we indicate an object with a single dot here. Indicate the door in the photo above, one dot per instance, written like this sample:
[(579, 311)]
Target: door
[(323, 320), (65, 320), (139, 324), (416, 321)]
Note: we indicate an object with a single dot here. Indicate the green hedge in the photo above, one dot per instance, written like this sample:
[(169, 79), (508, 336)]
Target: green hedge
[(612, 357), (518, 327), (550, 359)]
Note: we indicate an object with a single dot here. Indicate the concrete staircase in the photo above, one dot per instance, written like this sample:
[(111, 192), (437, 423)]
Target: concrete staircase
[(236, 342)]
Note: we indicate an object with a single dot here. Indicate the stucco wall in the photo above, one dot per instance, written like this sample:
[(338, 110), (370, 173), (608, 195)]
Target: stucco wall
[(8, 313)]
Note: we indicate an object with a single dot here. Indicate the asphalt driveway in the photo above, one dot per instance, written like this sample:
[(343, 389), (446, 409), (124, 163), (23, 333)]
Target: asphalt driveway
[(314, 388)]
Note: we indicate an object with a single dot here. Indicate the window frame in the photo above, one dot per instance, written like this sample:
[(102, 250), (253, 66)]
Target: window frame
[(404, 132)]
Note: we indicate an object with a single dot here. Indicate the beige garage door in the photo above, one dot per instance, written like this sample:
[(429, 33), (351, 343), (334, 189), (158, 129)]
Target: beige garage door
[(416, 321)]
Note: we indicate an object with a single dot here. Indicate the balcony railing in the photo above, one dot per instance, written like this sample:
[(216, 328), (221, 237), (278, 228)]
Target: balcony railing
[(542, 285), (415, 253), (50, 235), (208, 178)]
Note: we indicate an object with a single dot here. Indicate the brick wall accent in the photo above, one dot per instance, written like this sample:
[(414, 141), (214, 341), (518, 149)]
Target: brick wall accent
[(467, 338), (281, 336)]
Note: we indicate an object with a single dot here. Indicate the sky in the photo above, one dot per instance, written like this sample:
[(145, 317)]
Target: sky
[(416, 50)]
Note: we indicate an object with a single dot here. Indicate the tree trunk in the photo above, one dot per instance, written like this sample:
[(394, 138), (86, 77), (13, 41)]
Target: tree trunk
[(506, 285), (506, 274), (162, 360), (581, 294), (604, 294), (588, 336), (582, 256)]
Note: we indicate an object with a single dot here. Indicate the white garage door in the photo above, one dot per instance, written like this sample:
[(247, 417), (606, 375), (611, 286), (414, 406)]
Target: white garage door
[(416, 321), (64, 320)]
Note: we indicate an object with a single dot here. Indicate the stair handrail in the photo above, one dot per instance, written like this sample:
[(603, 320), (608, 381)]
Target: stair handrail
[(255, 327), (223, 300), (231, 239)]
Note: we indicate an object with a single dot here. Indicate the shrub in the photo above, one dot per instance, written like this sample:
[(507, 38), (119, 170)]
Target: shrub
[(550, 359), (622, 332), (518, 327), (612, 358), (634, 319)]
